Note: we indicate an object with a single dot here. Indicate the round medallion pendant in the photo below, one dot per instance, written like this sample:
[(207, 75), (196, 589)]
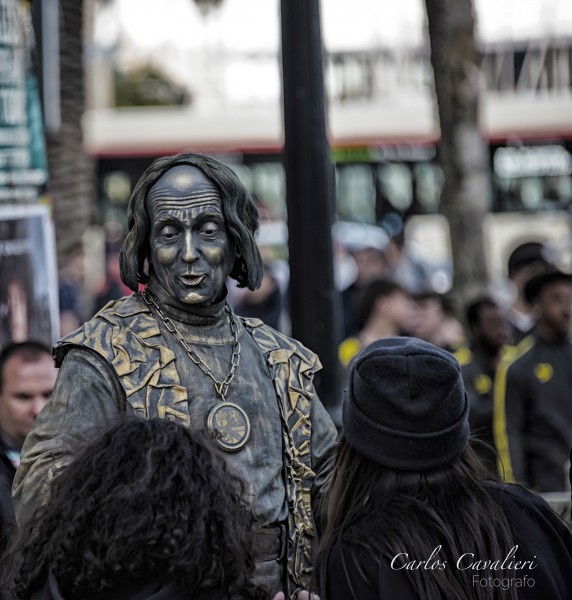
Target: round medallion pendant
[(229, 425)]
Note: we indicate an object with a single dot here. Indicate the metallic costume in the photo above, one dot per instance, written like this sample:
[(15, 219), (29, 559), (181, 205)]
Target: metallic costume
[(125, 359)]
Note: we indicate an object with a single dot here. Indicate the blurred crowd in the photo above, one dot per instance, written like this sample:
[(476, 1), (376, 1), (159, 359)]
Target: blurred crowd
[(443, 406), (522, 412), (515, 356), (513, 346)]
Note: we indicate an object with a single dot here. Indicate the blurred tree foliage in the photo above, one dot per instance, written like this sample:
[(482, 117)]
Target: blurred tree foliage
[(148, 86)]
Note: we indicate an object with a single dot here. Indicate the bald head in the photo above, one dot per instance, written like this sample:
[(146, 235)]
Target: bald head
[(182, 183)]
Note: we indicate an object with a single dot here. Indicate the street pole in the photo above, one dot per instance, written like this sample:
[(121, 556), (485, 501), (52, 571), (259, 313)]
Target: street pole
[(45, 20), (310, 194)]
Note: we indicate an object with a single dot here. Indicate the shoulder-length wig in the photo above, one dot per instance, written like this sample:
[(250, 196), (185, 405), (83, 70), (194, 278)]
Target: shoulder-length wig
[(238, 208)]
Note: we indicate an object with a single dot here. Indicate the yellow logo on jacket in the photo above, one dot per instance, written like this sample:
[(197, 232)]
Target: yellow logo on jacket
[(483, 384), (543, 372), (463, 355)]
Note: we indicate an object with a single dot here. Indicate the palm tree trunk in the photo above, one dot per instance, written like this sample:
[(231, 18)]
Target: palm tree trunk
[(70, 178), (463, 152)]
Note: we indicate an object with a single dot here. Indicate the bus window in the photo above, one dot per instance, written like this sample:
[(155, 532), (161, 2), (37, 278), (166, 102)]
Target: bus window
[(244, 174), (117, 187), (428, 185), (531, 178), (268, 184), (531, 193), (356, 193), (114, 195), (396, 185), (558, 189)]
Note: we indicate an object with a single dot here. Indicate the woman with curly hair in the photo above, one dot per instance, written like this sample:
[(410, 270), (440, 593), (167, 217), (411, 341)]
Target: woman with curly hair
[(147, 511), (410, 514)]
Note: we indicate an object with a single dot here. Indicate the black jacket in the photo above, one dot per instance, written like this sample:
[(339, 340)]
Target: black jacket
[(7, 472), (533, 414), (539, 533), (152, 590), (479, 376)]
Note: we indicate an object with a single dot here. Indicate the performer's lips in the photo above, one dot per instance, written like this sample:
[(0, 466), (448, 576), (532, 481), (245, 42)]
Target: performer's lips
[(191, 280)]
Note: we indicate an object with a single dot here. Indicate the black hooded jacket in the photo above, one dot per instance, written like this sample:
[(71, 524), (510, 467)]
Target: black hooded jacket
[(537, 531), (155, 589)]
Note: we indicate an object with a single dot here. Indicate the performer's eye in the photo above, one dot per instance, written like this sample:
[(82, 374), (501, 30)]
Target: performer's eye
[(210, 229), (169, 233)]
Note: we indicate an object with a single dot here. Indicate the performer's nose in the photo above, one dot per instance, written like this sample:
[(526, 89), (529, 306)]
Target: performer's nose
[(190, 251)]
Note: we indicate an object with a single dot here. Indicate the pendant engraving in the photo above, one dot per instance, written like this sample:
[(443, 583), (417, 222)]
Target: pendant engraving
[(229, 425)]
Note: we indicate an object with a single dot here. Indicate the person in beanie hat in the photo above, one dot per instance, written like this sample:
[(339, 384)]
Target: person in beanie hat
[(410, 513), (394, 418)]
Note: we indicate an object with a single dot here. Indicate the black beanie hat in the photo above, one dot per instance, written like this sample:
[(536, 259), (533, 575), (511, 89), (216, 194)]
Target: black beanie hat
[(406, 406)]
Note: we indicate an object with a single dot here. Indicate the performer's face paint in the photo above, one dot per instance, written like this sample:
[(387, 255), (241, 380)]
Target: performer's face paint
[(191, 251)]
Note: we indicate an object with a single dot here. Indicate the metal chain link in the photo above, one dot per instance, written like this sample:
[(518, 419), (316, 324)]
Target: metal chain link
[(221, 387)]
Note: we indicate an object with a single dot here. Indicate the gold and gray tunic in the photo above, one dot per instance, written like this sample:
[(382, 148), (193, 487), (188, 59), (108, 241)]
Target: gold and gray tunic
[(124, 359)]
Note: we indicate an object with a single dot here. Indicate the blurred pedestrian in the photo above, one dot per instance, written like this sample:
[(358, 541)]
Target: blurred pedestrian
[(524, 262), (489, 333), (112, 288), (270, 301), (436, 321), (403, 268), (533, 395), (365, 244), (385, 310), (410, 514), (27, 378), (72, 301), (146, 511), (265, 303)]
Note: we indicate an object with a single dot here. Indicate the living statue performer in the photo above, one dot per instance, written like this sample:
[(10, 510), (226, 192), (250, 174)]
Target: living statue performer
[(177, 351)]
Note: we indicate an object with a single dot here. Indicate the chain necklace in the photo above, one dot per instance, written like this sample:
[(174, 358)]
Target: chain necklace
[(221, 387)]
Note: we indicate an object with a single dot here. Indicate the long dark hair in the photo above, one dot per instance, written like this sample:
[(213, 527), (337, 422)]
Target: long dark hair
[(147, 499), (239, 211), (413, 513)]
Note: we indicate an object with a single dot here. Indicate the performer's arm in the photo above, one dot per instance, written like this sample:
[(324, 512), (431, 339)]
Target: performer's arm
[(324, 435), (86, 396)]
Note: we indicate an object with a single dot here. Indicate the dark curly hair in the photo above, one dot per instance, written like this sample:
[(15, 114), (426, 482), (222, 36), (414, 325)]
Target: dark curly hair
[(147, 499), (238, 208)]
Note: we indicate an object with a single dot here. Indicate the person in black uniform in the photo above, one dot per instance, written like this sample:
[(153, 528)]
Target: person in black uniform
[(533, 394), (410, 513), (489, 334)]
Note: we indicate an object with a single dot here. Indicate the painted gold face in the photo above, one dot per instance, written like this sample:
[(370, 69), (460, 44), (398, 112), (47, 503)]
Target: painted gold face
[(191, 251)]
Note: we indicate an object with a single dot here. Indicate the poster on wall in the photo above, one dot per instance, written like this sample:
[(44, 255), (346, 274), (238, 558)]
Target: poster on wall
[(28, 276), (23, 171)]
